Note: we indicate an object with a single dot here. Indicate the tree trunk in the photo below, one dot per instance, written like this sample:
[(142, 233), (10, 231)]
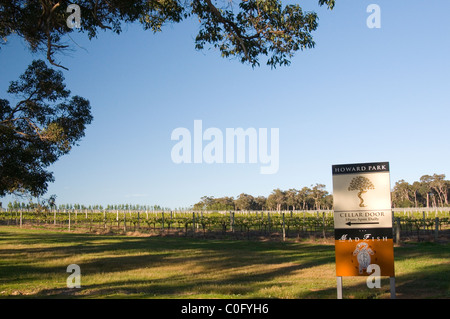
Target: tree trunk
[(361, 204)]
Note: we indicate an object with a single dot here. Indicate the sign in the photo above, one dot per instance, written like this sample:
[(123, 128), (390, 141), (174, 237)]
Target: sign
[(362, 219)]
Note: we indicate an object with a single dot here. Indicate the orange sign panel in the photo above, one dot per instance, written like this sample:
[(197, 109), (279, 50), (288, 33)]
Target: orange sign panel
[(353, 257)]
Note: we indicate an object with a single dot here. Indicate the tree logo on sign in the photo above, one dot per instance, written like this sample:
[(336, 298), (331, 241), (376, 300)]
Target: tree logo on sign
[(361, 184)]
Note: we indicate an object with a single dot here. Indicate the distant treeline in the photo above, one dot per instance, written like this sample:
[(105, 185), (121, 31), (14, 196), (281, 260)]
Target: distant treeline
[(306, 198), (429, 191)]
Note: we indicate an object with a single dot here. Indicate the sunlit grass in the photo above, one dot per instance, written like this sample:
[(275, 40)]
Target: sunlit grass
[(33, 263)]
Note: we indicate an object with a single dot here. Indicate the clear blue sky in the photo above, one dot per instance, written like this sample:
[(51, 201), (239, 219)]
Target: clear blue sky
[(361, 95)]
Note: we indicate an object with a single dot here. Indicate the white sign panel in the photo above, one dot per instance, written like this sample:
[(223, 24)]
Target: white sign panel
[(361, 195)]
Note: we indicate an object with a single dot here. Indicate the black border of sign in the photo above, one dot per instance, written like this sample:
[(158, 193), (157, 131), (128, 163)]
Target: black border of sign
[(363, 168)]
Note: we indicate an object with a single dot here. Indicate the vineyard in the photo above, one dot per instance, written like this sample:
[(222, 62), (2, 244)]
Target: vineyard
[(414, 223)]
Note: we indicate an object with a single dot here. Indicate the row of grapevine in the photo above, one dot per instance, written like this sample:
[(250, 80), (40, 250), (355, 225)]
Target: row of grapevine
[(261, 223), (264, 223)]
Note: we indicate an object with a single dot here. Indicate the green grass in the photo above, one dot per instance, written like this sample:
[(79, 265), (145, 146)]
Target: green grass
[(33, 263)]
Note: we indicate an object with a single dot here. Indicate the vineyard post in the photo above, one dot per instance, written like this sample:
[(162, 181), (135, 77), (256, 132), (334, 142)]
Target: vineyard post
[(424, 221), (193, 222), (339, 287), (124, 221), (270, 222), (436, 229), (261, 221), (69, 219), (139, 222), (284, 229), (202, 221), (54, 217), (117, 218), (397, 231), (393, 227), (304, 224), (232, 221), (162, 221), (21, 218)]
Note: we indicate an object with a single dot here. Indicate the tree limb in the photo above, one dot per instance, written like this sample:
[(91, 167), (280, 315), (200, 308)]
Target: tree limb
[(230, 26)]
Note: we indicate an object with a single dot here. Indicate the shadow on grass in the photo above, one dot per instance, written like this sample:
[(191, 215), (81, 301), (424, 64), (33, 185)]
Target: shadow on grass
[(217, 268), (106, 255)]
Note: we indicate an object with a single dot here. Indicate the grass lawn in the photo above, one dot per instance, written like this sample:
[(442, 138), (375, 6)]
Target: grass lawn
[(33, 263)]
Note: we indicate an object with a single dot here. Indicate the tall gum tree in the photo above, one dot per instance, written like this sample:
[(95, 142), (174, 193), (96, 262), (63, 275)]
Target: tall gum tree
[(43, 125)]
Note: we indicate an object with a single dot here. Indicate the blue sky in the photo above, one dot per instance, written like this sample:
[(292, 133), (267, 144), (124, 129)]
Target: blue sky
[(361, 95)]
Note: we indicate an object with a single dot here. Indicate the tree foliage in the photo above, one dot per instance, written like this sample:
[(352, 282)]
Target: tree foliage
[(306, 198), (247, 30), (429, 191), (43, 125), (362, 185)]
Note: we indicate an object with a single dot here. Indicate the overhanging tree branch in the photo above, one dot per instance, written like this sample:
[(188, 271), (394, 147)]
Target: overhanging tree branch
[(230, 26), (248, 29)]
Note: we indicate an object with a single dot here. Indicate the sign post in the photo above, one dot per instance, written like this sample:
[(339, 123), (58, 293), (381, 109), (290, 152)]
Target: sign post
[(363, 221)]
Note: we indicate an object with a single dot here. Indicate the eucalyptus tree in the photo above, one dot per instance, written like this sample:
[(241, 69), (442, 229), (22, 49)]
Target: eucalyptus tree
[(302, 197), (401, 194), (277, 199), (318, 193), (260, 203), (439, 185), (415, 192), (44, 124), (426, 182), (292, 198), (244, 202)]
